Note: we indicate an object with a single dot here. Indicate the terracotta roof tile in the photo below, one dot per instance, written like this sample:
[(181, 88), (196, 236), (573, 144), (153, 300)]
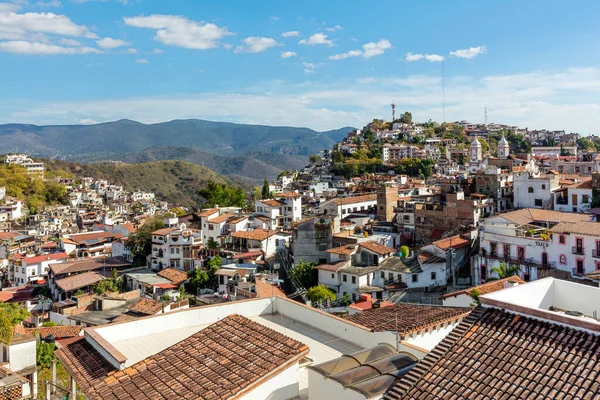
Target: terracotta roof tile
[(454, 241), (332, 267), (293, 195), (222, 361), (146, 306), (79, 281), (58, 332), (164, 231), (356, 199), (493, 354), (176, 276), (273, 203), (89, 265), (343, 250), (529, 215), (80, 238), (256, 234), (410, 317), (265, 290), (376, 247), (579, 228), (488, 287), (45, 257), (208, 212), (221, 218)]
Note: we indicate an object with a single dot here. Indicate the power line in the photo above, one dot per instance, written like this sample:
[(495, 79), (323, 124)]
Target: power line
[(443, 93)]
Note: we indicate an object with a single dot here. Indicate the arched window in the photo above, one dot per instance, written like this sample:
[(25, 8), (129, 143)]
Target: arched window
[(563, 259), (530, 189), (561, 239)]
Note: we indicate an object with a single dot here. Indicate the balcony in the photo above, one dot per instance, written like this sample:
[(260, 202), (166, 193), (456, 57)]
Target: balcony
[(596, 253), (578, 250), (528, 262), (562, 200)]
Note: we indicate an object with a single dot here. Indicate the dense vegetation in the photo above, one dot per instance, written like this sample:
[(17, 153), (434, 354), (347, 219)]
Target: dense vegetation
[(139, 243), (174, 181), (223, 195), (35, 191)]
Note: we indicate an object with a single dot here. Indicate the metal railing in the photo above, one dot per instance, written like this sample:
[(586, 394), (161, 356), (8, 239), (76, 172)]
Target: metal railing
[(578, 250)]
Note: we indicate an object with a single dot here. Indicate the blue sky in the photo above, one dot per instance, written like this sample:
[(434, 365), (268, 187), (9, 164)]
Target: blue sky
[(320, 64)]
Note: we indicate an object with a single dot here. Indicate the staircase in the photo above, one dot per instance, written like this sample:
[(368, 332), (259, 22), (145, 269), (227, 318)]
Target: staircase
[(299, 290)]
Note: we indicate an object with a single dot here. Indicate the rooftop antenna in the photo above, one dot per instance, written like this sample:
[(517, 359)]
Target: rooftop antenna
[(485, 118), (393, 112), (443, 93)]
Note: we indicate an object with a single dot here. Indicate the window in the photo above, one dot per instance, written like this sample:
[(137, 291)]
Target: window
[(483, 273), (530, 190), (507, 250), (382, 274), (433, 276), (211, 227), (543, 187), (345, 278), (172, 250), (390, 276), (538, 202), (493, 249), (562, 259), (221, 279), (353, 296), (561, 239), (415, 277), (332, 276), (353, 279), (585, 198)]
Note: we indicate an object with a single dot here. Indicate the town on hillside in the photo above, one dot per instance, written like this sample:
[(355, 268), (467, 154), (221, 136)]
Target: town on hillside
[(398, 264)]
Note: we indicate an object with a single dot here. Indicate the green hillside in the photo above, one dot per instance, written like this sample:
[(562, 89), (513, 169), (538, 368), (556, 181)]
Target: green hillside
[(177, 182)]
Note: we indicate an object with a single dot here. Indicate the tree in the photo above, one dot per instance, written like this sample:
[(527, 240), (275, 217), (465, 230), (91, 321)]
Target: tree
[(139, 243), (11, 314), (404, 251), (505, 271), (211, 269), (320, 293), (266, 193), (257, 193), (345, 300), (197, 279), (595, 198), (50, 323), (314, 158), (406, 118), (212, 244), (338, 157), (586, 143), (475, 296), (44, 353), (305, 273), (223, 195)]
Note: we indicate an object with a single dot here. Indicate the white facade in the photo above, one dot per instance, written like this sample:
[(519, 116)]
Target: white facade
[(535, 192), (34, 268), (174, 248), (573, 200), (283, 211)]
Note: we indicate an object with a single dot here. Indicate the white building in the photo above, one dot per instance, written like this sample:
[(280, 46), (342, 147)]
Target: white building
[(574, 198), (267, 241), (576, 247), (32, 269), (283, 211), (20, 357), (32, 167), (175, 248), (142, 197), (553, 152), (344, 206), (526, 238), (12, 207), (531, 191)]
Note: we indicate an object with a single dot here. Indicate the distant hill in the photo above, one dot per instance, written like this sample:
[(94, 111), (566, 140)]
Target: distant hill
[(174, 181), (250, 168), (103, 141)]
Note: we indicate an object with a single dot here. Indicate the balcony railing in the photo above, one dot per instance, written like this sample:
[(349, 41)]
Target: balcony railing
[(578, 250), (529, 262), (577, 273)]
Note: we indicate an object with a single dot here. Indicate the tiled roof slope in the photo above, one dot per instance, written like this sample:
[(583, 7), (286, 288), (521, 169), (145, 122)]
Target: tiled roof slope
[(174, 275), (407, 317), (488, 287), (222, 361), (495, 354)]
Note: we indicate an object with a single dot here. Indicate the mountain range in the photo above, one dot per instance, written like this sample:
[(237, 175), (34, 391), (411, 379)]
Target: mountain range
[(240, 151)]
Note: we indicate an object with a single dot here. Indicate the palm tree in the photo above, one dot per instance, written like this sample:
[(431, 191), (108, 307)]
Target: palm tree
[(504, 271), (212, 244)]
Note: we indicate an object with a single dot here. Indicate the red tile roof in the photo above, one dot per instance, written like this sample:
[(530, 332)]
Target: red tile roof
[(332, 267), (5, 296), (208, 212), (265, 290), (75, 282), (273, 203), (250, 254), (356, 199), (407, 318), (223, 361), (45, 257), (455, 242), (82, 237), (256, 234), (176, 276), (164, 231), (493, 354), (376, 247), (221, 218), (146, 306), (344, 250), (58, 332)]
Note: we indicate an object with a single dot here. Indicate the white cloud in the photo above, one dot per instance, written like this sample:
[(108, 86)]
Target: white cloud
[(48, 4), (69, 42), (434, 57), (565, 99), (256, 44), (23, 26), (290, 33), (376, 48), (157, 51), (343, 56), (181, 32), (369, 50), (131, 50), (469, 53), (317, 38), (333, 29), (142, 61), (429, 57), (413, 57), (87, 121), (288, 54), (274, 18), (110, 43), (30, 48)]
